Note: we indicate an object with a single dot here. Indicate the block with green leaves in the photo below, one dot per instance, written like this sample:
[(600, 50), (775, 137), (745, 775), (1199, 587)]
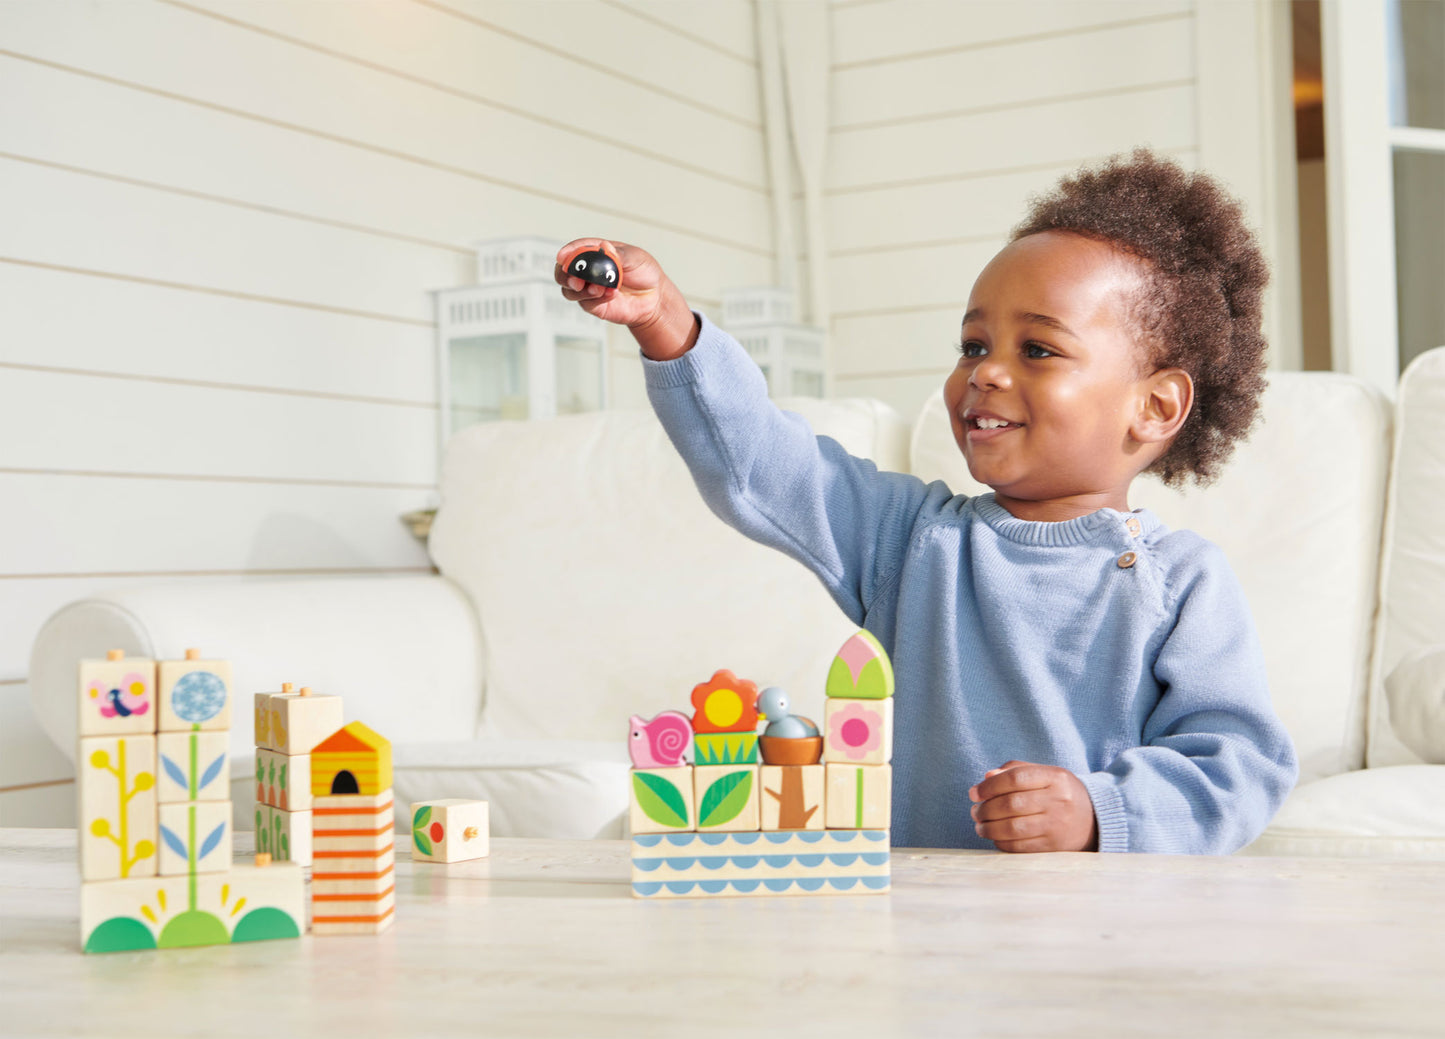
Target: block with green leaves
[(453, 829), (193, 766), (195, 837), (727, 797), (662, 800)]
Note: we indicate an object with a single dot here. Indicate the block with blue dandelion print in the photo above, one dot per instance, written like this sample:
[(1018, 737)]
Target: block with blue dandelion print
[(195, 695)]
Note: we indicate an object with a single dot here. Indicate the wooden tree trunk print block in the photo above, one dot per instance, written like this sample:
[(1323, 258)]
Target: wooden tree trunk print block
[(727, 797), (117, 697), (859, 796), (682, 865), (858, 732), (117, 832), (662, 799), (195, 837), (194, 695), (793, 797), (244, 904), (450, 830), (193, 766), (725, 748)]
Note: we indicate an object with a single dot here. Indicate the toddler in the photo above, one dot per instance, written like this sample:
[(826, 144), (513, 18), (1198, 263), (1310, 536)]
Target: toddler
[(1071, 675)]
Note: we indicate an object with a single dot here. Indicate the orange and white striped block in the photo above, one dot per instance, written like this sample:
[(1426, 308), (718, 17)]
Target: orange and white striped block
[(353, 855)]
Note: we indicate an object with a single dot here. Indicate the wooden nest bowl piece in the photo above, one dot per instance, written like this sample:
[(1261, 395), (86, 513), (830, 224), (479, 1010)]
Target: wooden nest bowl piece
[(806, 750)]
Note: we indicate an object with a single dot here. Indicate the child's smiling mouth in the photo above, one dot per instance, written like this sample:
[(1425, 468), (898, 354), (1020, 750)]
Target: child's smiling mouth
[(981, 425)]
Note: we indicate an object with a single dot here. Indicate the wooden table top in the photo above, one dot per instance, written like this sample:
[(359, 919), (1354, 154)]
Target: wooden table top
[(543, 938)]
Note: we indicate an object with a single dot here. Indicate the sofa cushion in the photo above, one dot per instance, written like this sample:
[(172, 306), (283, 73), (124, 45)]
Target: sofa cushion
[(1412, 614), (604, 586), (1297, 511), (1396, 812)]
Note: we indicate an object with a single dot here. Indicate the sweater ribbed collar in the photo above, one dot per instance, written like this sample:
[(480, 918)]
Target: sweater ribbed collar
[(1096, 526)]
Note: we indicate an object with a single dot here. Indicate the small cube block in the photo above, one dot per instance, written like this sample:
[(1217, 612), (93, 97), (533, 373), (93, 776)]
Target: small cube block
[(283, 780), (727, 798), (117, 695), (194, 694), (296, 722), (662, 800), (860, 797), (193, 766), (858, 732), (195, 829), (285, 836), (116, 776), (450, 830), (793, 797)]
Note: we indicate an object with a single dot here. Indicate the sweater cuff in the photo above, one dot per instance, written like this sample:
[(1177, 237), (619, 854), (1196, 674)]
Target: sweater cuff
[(681, 371), (1108, 811)]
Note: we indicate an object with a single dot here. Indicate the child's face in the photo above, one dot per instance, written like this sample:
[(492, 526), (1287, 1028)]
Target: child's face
[(1046, 347)]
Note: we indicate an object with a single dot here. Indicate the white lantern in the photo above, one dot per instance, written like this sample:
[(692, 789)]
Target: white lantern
[(510, 347), (790, 354)]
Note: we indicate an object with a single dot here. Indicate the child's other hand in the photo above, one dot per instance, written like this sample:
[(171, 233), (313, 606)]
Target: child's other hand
[(1021, 806), (647, 301)]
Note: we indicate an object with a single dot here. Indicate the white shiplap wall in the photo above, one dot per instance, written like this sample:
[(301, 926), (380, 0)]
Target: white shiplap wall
[(946, 116), (224, 220)]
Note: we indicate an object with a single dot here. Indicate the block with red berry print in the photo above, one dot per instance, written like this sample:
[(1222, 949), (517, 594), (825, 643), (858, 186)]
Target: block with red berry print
[(450, 830)]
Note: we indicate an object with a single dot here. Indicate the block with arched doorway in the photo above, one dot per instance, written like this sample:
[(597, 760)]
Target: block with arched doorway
[(352, 760)]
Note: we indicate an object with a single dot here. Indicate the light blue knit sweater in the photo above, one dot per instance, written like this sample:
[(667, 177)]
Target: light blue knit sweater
[(1009, 638)]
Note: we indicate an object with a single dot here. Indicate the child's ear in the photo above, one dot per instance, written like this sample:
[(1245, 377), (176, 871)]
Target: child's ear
[(1168, 396)]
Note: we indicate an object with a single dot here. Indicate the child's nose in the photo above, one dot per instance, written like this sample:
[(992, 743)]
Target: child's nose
[(989, 374)]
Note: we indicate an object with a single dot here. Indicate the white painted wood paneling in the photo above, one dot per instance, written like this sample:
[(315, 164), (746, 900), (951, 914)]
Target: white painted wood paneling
[(723, 25), (893, 30), (168, 48), (51, 421), (58, 319), (85, 524)]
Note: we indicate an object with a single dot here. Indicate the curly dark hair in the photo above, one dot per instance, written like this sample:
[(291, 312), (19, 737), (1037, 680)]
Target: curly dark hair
[(1199, 307)]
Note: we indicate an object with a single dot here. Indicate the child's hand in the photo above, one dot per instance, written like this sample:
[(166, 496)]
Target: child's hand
[(647, 301), (1021, 806)]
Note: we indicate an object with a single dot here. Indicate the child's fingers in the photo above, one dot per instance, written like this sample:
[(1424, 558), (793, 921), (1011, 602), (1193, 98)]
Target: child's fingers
[(1030, 844), (1017, 775), (1016, 828), (1007, 806)]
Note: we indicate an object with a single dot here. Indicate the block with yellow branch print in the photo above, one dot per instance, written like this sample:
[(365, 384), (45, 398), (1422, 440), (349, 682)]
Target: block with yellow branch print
[(117, 807)]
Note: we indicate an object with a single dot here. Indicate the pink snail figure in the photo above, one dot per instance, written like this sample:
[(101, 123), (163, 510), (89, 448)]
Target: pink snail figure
[(662, 742)]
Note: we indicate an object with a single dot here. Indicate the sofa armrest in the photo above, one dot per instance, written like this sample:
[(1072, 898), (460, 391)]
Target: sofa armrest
[(404, 652), (1416, 692)]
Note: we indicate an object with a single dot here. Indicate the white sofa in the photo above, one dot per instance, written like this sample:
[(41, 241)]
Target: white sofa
[(581, 580)]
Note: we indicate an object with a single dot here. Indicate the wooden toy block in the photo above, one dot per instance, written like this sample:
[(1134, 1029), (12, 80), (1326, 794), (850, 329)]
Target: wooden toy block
[(286, 836), (859, 796), (727, 797), (297, 721), (858, 732), (661, 742), (348, 914), (283, 780), (725, 703), (350, 813), (193, 766), (353, 856), (194, 694), (245, 904), (262, 724), (195, 837), (117, 695), (117, 833), (450, 830), (680, 865), (793, 797), (352, 760), (662, 799), (861, 670), (725, 748)]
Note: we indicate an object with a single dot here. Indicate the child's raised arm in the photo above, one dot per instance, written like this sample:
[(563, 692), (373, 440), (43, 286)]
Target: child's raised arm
[(646, 301)]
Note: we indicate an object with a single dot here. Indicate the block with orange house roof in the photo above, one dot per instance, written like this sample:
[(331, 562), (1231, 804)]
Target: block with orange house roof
[(353, 851)]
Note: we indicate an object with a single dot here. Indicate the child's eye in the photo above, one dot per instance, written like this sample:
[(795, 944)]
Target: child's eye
[(1037, 351), (972, 348)]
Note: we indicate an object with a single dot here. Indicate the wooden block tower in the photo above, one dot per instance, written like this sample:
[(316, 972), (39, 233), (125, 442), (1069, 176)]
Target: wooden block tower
[(724, 825), (288, 725), (155, 813), (353, 850)]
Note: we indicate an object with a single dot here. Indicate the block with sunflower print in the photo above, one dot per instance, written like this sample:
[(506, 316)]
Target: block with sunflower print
[(450, 830)]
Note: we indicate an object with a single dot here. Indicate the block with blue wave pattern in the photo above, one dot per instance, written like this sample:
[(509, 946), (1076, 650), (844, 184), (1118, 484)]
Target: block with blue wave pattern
[(794, 862)]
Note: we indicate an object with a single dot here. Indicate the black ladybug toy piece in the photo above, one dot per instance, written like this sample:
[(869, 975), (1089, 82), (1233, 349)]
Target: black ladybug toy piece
[(596, 266)]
